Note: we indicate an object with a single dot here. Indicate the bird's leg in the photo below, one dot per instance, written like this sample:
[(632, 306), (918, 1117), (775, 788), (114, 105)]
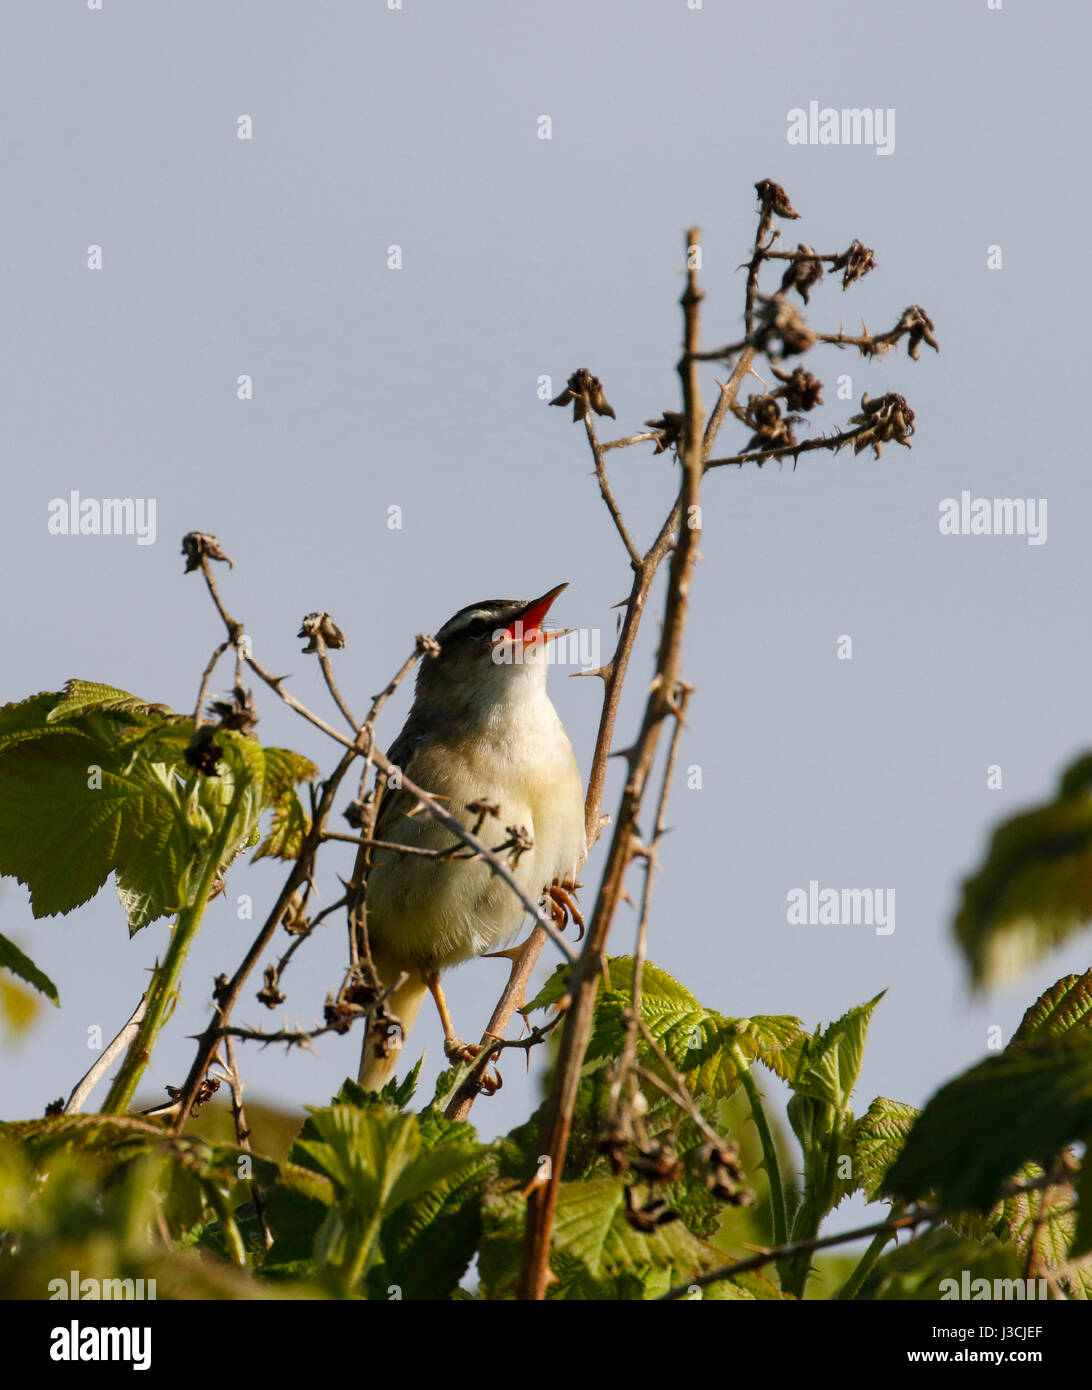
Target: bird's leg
[(562, 901), (455, 1050)]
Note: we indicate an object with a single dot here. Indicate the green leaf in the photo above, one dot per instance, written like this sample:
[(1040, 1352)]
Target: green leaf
[(1031, 1101), (284, 769), (1081, 1244), (597, 1253), (1035, 889), (94, 782), (26, 719), (427, 1243), (81, 697), (708, 1048), (63, 837), (1066, 1007), (14, 960), (876, 1141), (290, 825), (829, 1063), (400, 1179), (552, 992)]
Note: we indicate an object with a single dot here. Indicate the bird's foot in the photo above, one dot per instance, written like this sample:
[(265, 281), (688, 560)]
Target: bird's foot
[(455, 1050), (563, 905)]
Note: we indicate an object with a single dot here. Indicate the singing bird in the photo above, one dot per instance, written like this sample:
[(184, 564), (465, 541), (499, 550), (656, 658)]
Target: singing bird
[(481, 729)]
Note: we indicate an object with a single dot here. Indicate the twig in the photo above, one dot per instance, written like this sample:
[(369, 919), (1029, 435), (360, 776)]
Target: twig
[(331, 683), (242, 1136), (907, 1220), (106, 1059), (228, 994), (291, 1037), (833, 442), (213, 659), (613, 675), (641, 438), (628, 1059), (542, 1200), (606, 493)]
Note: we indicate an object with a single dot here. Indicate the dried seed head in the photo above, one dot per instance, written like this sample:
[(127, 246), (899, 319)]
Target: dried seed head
[(773, 197), (801, 389), (771, 429), (886, 419), (322, 631), (269, 994), (670, 426), (781, 321), (803, 272), (855, 262), (239, 713), (584, 390), (917, 324), (203, 754), (198, 546)]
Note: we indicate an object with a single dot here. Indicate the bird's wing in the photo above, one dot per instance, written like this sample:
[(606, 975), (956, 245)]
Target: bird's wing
[(394, 802)]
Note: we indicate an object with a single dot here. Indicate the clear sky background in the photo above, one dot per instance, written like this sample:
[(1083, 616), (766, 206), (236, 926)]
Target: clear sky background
[(418, 388)]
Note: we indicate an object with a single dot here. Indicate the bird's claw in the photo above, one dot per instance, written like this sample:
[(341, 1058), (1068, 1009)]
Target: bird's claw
[(563, 906), (455, 1050), (489, 1083)]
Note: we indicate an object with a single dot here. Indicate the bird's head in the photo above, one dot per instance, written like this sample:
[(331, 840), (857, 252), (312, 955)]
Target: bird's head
[(489, 651)]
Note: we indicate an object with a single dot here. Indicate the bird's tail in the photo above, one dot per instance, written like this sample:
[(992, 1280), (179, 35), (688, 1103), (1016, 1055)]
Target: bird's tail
[(404, 1003)]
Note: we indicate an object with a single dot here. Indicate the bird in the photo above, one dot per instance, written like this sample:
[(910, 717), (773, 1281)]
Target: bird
[(483, 737)]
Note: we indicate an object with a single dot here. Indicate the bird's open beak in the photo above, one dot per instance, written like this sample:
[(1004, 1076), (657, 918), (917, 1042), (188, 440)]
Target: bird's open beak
[(526, 626)]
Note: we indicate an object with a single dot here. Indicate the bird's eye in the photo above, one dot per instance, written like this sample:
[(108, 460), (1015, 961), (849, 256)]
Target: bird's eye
[(477, 628)]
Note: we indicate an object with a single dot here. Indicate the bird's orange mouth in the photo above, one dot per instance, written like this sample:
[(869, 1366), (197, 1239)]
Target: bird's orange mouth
[(527, 626)]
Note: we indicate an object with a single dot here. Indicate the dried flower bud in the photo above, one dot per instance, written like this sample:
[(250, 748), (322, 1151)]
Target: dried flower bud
[(771, 429), (774, 197), (919, 326), (670, 426), (584, 390), (781, 321), (203, 754), (658, 1162), (646, 1218), (294, 919), (725, 1178), (803, 272), (322, 631), (239, 713), (519, 842), (269, 994), (887, 418), (340, 1015), (197, 546), (801, 389), (856, 261)]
